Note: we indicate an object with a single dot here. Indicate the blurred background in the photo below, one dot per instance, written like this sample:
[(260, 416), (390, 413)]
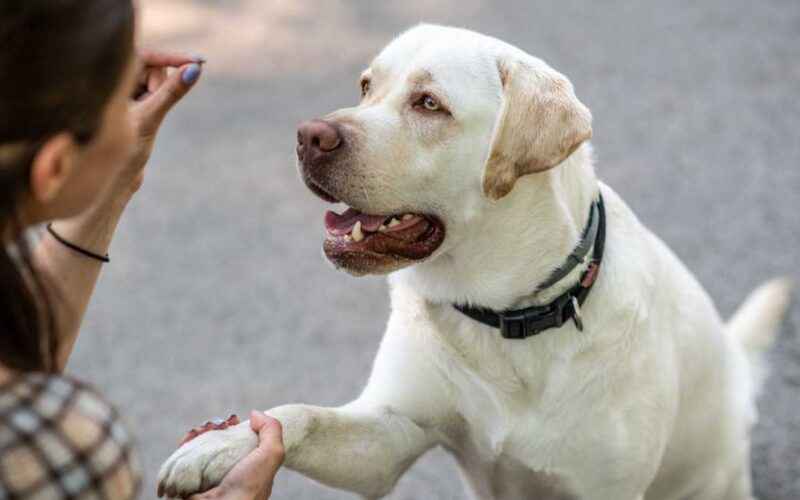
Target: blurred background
[(218, 299)]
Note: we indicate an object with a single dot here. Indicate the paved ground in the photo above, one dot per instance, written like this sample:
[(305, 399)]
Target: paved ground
[(218, 298)]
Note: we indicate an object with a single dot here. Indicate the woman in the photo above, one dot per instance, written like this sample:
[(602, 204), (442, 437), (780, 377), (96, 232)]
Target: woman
[(73, 146)]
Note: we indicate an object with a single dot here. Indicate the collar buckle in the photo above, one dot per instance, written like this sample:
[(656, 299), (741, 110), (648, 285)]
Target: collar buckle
[(514, 326), (531, 321)]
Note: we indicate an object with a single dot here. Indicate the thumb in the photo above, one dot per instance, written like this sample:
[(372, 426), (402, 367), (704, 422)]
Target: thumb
[(155, 107), (270, 439), (255, 472)]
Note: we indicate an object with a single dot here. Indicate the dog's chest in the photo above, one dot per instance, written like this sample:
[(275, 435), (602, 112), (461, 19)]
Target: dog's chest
[(511, 469), (511, 429), (505, 457), (512, 480)]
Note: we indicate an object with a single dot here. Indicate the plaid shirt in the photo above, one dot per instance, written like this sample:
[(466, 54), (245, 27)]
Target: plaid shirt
[(60, 440)]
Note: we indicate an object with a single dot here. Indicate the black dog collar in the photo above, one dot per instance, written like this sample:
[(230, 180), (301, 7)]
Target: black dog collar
[(524, 323)]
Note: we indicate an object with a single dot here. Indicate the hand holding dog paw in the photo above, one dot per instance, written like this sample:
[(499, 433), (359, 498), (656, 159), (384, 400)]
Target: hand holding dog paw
[(210, 459), (252, 478)]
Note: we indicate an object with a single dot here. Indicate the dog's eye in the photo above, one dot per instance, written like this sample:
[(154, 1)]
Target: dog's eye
[(430, 103), (364, 87), (426, 103)]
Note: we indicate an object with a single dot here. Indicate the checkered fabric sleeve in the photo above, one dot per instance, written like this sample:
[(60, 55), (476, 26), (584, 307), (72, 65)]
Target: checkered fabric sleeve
[(60, 440)]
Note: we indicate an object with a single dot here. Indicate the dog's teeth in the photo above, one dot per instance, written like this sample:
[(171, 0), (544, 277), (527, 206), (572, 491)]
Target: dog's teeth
[(408, 216), (393, 222), (347, 237), (358, 235), (382, 228)]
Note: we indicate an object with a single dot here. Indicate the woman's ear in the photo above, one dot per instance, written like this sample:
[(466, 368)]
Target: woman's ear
[(52, 167), (540, 124)]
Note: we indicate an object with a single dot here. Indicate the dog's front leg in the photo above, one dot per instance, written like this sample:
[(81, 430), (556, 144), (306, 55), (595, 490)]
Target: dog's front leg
[(364, 450)]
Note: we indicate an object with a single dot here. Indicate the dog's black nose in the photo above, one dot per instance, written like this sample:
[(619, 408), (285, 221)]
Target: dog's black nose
[(316, 138)]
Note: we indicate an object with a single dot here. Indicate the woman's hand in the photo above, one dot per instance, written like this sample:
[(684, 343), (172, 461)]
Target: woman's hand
[(156, 93), (251, 479)]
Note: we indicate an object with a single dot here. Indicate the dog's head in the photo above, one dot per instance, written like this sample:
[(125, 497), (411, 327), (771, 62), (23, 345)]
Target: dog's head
[(448, 121)]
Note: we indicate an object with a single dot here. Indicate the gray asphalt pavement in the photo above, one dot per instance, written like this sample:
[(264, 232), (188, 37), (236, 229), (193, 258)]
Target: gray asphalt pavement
[(218, 298)]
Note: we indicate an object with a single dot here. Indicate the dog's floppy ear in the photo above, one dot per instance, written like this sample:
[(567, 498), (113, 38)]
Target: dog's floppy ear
[(540, 124)]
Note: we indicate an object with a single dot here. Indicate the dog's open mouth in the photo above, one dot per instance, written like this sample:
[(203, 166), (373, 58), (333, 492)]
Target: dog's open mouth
[(354, 235)]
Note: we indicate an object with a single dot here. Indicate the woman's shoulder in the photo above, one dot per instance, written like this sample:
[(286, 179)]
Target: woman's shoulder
[(60, 438)]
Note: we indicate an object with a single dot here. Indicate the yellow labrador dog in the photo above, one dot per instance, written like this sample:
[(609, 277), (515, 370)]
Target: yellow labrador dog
[(539, 332)]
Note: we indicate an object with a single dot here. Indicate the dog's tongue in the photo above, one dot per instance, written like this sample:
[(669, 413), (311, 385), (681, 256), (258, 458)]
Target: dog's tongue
[(342, 224)]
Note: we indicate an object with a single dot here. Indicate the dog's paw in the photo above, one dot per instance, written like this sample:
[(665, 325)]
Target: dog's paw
[(201, 463)]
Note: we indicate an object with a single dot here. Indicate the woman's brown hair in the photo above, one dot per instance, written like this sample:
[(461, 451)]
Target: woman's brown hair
[(60, 63)]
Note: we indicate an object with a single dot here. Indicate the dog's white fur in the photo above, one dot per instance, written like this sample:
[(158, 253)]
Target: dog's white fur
[(654, 399)]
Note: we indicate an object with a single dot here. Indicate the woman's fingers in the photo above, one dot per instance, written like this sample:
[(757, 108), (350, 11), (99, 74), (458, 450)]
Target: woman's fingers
[(154, 107), (159, 91), (258, 420), (270, 441), (155, 78), (149, 81), (163, 58)]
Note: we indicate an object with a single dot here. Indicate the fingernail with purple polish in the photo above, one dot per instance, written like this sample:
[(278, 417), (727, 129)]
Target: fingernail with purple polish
[(191, 74)]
